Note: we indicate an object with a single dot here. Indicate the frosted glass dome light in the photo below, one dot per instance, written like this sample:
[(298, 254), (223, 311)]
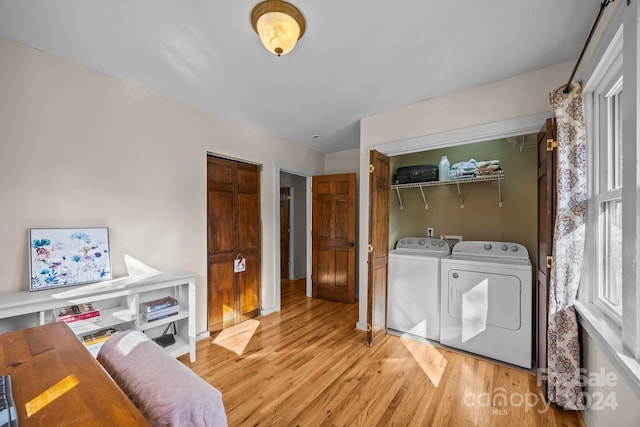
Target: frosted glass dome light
[(279, 24)]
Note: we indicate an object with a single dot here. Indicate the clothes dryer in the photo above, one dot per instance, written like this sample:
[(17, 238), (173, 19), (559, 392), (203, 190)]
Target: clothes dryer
[(487, 301), (413, 292)]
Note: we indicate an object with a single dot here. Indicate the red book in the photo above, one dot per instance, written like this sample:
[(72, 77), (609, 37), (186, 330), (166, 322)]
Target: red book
[(74, 313)]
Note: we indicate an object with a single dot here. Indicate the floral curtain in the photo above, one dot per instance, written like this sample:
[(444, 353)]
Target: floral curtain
[(563, 348)]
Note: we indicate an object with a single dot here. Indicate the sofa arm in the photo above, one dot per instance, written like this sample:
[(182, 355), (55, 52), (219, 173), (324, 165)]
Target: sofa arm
[(167, 392)]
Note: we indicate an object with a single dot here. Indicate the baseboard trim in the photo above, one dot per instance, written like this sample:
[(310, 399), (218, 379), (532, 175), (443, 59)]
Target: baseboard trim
[(361, 326), (268, 311), (203, 335)]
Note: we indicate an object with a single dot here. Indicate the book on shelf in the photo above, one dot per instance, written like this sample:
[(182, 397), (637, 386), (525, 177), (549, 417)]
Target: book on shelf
[(99, 336), (77, 312), (160, 314), (158, 304), (93, 342)]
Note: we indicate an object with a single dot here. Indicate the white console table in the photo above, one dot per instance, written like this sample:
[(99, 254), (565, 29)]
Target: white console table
[(118, 300)]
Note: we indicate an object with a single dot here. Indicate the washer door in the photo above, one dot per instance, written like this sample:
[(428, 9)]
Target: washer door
[(413, 296), (480, 299)]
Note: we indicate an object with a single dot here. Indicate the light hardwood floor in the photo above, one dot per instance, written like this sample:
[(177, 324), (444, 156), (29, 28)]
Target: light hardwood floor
[(307, 365)]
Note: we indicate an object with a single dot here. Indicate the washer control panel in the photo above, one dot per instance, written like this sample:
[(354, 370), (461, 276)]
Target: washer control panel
[(423, 243), (491, 249)]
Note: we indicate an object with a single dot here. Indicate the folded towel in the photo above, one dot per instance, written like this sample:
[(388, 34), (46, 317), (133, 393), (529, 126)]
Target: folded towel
[(472, 167), (489, 169), (486, 171), (459, 173), (485, 163), (469, 165)]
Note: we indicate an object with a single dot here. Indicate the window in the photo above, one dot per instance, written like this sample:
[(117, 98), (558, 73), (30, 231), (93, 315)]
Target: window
[(608, 196), (608, 305), (606, 179)]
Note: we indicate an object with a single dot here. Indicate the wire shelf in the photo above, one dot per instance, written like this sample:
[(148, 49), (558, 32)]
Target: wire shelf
[(420, 185)]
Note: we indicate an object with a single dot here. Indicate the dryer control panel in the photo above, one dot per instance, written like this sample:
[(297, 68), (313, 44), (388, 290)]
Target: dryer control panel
[(423, 244), (491, 249)]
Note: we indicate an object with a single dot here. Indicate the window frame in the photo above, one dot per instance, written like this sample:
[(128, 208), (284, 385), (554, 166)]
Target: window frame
[(605, 186), (607, 79)]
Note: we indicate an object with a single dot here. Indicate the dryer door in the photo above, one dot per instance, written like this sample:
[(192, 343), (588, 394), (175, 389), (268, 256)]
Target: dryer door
[(481, 300)]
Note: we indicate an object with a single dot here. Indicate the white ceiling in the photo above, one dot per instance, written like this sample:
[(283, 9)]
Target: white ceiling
[(357, 57)]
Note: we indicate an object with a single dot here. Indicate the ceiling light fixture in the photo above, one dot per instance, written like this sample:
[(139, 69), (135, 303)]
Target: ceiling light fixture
[(279, 24)]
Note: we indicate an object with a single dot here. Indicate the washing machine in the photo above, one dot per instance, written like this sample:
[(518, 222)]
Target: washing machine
[(487, 300), (413, 287)]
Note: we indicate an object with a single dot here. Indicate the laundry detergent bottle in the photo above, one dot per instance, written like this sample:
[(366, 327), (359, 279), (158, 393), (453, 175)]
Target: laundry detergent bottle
[(443, 169)]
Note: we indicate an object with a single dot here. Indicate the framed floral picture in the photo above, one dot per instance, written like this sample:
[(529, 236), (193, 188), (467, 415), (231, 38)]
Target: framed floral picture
[(68, 256)]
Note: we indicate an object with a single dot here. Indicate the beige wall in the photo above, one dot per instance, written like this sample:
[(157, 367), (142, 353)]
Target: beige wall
[(342, 161), (613, 401), (481, 218), (518, 96), (78, 148)]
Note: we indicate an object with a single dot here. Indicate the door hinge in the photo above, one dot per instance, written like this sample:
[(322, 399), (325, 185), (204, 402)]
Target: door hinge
[(551, 144), (371, 168), (549, 261)]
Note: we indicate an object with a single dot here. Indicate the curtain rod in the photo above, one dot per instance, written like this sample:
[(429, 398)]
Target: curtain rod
[(603, 5)]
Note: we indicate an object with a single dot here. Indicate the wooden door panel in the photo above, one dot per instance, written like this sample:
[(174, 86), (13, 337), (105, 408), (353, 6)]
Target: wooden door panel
[(542, 225), (285, 232), (326, 267), (342, 188), (545, 192), (341, 227), (324, 228), (247, 178), (342, 263), (379, 305), (322, 188), (248, 225), (221, 222), (222, 297), (248, 286), (219, 174), (333, 235), (335, 266), (546, 218), (379, 185), (248, 232), (248, 203)]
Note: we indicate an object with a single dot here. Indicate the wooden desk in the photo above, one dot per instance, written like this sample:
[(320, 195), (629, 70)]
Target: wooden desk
[(50, 357)]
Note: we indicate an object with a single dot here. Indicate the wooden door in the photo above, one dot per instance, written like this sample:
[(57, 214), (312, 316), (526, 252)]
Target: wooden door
[(333, 231), (233, 224), (546, 217), (248, 240), (378, 259), (285, 232)]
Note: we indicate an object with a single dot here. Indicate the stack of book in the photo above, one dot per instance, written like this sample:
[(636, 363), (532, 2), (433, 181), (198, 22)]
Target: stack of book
[(77, 312), (159, 309), (94, 341)]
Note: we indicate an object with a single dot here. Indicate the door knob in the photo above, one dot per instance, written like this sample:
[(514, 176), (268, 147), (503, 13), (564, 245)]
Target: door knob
[(351, 244)]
